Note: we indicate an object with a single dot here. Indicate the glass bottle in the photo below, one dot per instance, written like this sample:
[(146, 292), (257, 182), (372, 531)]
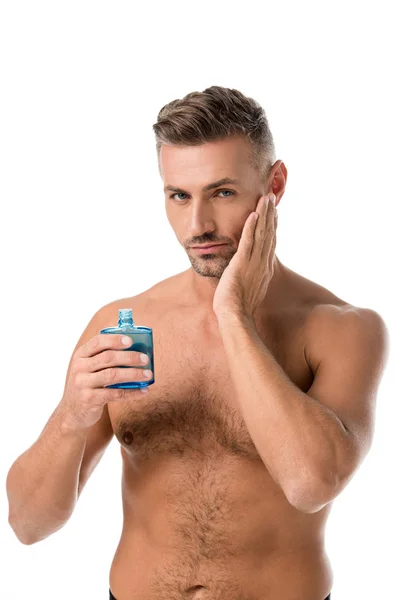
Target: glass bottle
[(142, 341)]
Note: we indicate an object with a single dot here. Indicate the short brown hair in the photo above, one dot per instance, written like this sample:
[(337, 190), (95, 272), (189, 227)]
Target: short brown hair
[(215, 114)]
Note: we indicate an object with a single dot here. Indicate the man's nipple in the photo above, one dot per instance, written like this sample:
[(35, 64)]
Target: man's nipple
[(127, 437)]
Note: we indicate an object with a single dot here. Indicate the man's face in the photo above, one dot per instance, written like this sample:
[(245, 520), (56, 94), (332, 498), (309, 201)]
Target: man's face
[(217, 215)]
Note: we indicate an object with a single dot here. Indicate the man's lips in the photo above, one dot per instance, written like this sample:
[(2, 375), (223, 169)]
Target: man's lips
[(210, 248), (207, 245)]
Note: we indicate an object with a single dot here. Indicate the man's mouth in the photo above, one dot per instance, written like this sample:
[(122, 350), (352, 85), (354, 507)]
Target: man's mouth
[(208, 248)]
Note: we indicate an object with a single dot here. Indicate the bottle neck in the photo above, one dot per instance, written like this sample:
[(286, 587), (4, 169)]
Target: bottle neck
[(125, 318)]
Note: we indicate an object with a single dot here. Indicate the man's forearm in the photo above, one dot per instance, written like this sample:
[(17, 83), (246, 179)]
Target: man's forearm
[(296, 436), (42, 484)]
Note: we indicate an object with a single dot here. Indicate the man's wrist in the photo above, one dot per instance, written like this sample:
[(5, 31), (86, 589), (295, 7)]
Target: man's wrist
[(230, 318)]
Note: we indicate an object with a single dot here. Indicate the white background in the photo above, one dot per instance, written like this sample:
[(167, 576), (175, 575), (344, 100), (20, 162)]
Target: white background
[(83, 222)]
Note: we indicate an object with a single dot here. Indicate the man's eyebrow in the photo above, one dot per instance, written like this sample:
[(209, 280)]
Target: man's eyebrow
[(210, 186)]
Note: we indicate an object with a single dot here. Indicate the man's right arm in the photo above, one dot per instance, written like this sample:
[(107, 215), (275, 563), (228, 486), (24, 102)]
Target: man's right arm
[(44, 483)]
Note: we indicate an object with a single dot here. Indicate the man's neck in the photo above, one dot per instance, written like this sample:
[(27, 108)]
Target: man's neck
[(200, 291)]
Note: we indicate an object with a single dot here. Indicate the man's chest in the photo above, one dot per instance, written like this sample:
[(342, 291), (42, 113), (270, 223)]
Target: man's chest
[(193, 407)]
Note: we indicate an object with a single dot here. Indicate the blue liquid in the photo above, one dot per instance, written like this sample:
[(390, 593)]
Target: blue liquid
[(142, 341)]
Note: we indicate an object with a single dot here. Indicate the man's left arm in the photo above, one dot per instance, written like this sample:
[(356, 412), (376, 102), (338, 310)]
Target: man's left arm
[(311, 443)]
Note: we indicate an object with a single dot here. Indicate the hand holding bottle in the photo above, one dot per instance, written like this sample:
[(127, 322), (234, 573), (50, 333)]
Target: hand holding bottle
[(93, 367)]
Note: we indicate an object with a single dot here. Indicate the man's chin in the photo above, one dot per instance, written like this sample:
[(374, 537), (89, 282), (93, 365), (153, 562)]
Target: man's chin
[(209, 268)]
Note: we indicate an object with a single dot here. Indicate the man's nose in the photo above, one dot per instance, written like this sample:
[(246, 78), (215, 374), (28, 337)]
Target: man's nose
[(201, 219)]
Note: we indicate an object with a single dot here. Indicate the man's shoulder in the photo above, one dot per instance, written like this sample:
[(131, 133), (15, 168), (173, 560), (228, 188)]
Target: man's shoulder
[(327, 320), (330, 323), (161, 294), (310, 299), (323, 311), (333, 312)]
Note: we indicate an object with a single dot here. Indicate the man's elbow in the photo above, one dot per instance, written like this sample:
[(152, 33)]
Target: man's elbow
[(310, 499), (28, 538), (21, 538)]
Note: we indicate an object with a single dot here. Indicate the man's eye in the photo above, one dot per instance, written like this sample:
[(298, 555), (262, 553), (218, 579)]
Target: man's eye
[(180, 193), (183, 194)]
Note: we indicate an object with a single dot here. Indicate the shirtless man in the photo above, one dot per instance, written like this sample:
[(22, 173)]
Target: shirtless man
[(264, 396)]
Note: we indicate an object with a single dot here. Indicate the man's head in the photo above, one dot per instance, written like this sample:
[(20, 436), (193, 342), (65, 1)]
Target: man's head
[(201, 139)]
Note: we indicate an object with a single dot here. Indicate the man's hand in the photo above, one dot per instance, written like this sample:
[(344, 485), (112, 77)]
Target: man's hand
[(245, 281)]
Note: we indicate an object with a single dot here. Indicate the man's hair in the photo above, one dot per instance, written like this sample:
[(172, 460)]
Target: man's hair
[(215, 114)]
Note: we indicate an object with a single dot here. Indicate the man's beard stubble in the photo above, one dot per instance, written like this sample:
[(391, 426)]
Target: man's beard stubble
[(210, 266)]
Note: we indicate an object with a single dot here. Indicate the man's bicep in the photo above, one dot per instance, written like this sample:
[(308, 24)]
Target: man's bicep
[(348, 348)]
